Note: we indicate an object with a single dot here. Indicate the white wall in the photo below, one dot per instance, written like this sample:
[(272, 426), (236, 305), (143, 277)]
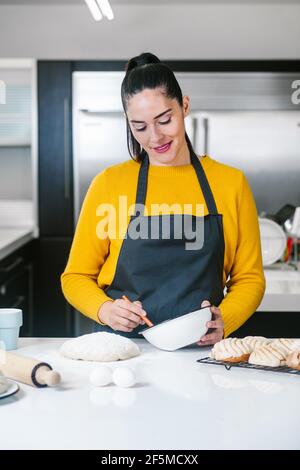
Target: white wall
[(171, 31)]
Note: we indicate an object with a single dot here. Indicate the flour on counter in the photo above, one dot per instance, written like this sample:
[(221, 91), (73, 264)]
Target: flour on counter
[(102, 347)]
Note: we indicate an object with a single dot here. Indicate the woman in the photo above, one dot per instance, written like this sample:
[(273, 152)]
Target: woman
[(165, 184)]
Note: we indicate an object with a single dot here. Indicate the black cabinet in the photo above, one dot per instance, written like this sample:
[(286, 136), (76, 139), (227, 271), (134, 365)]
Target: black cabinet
[(271, 325), (55, 148), (53, 315), (16, 285)]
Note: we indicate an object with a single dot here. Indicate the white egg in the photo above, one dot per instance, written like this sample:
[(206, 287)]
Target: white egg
[(124, 377), (101, 376)]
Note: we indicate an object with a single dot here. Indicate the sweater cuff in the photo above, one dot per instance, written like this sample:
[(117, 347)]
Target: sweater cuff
[(94, 306), (98, 318), (229, 321)]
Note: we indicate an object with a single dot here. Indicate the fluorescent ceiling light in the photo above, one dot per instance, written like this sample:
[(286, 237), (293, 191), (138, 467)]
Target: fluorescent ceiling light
[(94, 9), (106, 9)]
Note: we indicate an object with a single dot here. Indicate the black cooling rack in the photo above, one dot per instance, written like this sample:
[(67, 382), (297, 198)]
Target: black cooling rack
[(246, 365)]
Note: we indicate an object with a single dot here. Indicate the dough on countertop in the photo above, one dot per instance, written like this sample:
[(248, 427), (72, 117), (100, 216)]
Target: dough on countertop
[(102, 347)]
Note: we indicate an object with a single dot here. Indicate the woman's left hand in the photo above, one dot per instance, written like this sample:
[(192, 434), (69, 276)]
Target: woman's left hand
[(216, 323)]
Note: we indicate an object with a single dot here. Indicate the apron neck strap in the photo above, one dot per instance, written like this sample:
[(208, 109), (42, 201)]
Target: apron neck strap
[(204, 185)]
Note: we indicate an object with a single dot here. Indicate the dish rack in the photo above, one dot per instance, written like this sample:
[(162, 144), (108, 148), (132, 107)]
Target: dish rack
[(246, 365)]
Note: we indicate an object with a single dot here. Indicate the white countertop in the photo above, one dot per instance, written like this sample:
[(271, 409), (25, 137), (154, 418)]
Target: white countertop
[(176, 404), (282, 291), (13, 238)]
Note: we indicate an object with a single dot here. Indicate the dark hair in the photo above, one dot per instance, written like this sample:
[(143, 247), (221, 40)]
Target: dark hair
[(147, 71)]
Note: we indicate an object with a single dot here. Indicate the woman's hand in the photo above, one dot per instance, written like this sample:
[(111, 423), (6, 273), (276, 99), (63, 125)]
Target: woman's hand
[(216, 323), (121, 315)]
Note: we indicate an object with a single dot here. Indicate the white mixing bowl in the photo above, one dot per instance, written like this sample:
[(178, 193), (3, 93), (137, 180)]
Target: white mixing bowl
[(179, 332)]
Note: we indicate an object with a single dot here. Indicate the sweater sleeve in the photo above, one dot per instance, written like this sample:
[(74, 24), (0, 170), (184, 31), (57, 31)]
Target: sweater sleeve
[(246, 284), (89, 250)]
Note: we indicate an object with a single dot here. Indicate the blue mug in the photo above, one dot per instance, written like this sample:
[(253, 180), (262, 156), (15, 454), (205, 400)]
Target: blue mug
[(11, 320)]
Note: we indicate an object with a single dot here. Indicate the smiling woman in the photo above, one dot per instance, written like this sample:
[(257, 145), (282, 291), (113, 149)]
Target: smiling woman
[(163, 134), (163, 274)]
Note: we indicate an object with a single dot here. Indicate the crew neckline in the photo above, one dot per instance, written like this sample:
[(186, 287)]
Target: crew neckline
[(168, 171)]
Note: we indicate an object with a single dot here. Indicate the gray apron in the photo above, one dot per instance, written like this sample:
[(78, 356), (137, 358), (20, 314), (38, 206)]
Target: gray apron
[(167, 278)]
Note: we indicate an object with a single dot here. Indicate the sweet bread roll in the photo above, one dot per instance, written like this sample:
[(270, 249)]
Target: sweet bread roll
[(293, 360), (231, 350), (267, 356), (255, 341), (286, 345)]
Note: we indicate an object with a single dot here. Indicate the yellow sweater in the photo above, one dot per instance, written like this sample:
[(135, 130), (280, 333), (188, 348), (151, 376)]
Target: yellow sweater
[(94, 253)]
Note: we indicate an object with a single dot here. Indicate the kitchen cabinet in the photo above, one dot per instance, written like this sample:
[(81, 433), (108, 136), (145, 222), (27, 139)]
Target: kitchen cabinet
[(271, 325), (16, 114), (54, 316), (16, 285), (18, 132), (56, 225), (55, 149)]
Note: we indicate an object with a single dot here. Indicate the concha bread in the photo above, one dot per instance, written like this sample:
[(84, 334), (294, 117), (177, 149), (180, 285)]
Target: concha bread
[(267, 356), (231, 350), (237, 349), (256, 341), (286, 345), (293, 360)]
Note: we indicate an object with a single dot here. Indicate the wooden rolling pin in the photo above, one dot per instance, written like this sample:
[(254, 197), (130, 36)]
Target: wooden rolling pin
[(28, 370)]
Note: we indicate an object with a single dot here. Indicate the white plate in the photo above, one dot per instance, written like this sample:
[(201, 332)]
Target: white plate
[(12, 388), (273, 241)]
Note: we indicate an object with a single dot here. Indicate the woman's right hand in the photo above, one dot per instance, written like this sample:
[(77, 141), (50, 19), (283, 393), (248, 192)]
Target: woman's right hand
[(122, 315)]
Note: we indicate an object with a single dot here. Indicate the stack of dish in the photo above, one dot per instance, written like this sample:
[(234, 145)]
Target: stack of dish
[(273, 241)]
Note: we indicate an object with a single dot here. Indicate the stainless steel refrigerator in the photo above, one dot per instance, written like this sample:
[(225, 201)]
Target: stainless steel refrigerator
[(265, 145)]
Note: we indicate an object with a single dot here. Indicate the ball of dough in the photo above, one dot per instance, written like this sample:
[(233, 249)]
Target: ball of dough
[(101, 376), (101, 346), (124, 377)]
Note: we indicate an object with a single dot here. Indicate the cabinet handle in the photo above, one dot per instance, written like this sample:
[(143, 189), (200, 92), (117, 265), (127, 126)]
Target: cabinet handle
[(10, 267), (20, 299), (66, 148), (3, 289)]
